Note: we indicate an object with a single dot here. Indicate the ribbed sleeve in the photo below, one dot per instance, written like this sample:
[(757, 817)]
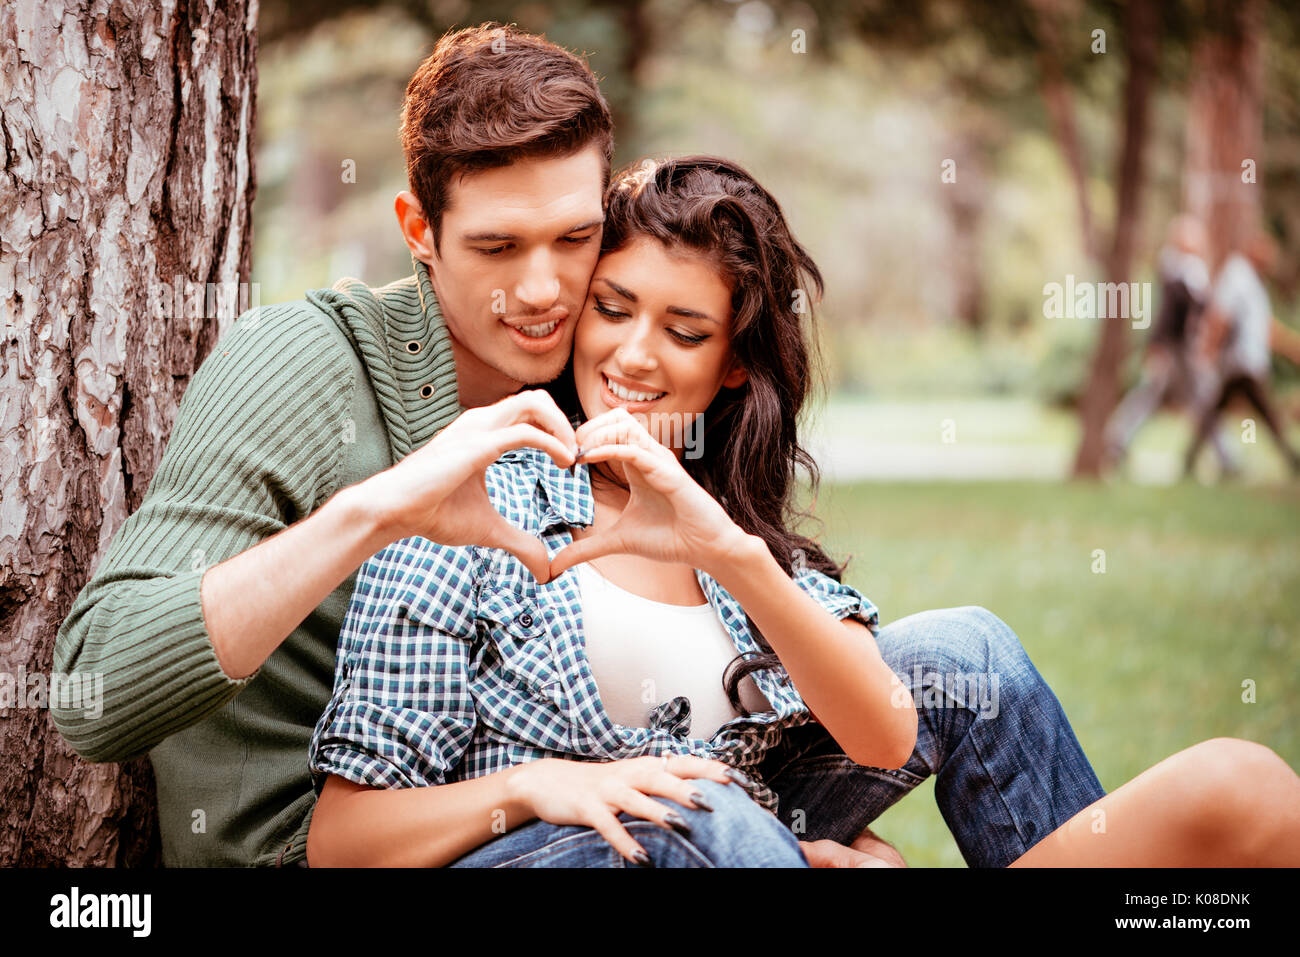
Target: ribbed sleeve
[(257, 444)]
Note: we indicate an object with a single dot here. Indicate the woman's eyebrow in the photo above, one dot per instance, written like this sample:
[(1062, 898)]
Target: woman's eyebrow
[(627, 294), (691, 313), (630, 296)]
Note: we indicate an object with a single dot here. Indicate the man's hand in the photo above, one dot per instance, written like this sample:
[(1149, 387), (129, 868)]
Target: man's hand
[(438, 491), (867, 850)]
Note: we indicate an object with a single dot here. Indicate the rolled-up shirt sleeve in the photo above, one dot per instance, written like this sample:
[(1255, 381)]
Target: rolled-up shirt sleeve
[(402, 711), (841, 600)]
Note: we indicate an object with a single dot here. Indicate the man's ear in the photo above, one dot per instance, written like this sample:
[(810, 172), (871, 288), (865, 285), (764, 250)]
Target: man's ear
[(415, 229), (737, 375)]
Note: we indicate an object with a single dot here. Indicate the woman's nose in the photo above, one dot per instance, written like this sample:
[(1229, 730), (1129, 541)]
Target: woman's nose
[(635, 354)]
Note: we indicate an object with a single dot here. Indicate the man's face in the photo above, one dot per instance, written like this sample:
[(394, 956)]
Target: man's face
[(516, 252)]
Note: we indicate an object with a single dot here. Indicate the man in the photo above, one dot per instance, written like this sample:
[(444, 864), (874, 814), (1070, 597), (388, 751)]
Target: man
[(320, 431), (1169, 368), (1235, 339)]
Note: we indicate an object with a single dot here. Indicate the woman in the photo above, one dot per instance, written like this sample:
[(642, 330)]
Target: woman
[(555, 731)]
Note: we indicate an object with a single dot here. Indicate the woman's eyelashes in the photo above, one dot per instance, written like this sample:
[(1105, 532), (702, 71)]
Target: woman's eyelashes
[(611, 312), (687, 338)]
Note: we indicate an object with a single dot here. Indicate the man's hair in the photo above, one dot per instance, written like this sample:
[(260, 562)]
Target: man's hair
[(489, 96)]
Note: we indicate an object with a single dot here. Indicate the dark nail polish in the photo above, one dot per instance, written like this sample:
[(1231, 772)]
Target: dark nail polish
[(698, 800), (642, 858), (738, 777), (677, 823)]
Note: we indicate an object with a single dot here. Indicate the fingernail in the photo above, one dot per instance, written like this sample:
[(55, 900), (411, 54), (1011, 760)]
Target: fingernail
[(698, 800), (642, 858), (737, 777), (677, 823)]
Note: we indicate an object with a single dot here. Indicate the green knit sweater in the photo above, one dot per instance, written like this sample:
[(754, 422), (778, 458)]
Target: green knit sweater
[(295, 402)]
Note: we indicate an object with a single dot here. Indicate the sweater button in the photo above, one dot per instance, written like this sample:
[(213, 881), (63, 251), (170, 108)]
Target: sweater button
[(414, 347), (426, 391)]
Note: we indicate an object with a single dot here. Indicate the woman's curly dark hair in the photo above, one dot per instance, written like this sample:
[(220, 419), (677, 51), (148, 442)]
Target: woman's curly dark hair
[(750, 444)]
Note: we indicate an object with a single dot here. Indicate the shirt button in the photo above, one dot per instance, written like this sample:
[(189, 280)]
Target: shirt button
[(426, 391), (414, 347), (526, 620)]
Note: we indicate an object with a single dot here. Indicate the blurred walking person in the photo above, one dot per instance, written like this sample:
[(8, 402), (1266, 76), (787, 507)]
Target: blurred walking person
[(1234, 336), (1169, 369)]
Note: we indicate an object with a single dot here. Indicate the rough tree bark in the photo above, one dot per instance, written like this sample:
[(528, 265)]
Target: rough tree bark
[(127, 130), (1225, 127), (1142, 44)]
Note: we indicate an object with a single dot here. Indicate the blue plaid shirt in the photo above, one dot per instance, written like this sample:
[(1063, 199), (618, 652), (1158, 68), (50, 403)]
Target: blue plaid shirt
[(455, 662)]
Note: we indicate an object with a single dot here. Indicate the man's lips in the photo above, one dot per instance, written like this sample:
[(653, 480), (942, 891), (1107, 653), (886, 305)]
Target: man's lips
[(538, 345)]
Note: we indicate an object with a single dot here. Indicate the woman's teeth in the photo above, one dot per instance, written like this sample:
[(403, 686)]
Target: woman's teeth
[(631, 395), (537, 332)]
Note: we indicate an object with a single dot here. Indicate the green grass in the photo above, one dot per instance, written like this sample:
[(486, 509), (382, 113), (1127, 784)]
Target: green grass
[(1201, 591)]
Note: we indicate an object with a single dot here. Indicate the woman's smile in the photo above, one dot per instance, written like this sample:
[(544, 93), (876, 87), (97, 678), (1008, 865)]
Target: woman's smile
[(654, 334), (632, 396)]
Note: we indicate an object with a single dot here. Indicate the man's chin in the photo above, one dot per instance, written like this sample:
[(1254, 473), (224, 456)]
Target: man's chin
[(542, 370)]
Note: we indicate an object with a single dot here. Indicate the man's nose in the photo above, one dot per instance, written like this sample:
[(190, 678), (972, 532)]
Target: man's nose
[(539, 287)]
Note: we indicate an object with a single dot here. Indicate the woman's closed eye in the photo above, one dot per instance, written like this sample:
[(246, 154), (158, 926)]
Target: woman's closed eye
[(612, 312), (686, 337)]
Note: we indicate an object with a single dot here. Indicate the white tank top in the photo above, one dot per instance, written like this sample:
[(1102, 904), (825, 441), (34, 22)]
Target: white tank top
[(643, 652)]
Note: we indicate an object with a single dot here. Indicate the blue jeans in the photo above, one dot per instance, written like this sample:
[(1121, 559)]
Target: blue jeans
[(736, 833), (1008, 767)]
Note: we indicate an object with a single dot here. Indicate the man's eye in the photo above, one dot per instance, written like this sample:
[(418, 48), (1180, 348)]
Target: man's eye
[(576, 240), (492, 251), (605, 310)]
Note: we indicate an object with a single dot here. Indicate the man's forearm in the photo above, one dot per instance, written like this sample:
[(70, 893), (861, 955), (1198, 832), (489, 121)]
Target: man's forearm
[(253, 601), (358, 826)]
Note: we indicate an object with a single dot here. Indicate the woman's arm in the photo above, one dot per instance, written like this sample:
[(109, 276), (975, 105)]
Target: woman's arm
[(358, 826), (835, 664)]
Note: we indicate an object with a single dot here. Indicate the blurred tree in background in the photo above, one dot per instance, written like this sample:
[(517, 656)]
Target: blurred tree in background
[(1070, 132)]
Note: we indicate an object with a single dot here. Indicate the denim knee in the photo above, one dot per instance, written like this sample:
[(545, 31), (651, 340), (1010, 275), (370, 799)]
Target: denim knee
[(737, 833), (966, 640), (955, 653)]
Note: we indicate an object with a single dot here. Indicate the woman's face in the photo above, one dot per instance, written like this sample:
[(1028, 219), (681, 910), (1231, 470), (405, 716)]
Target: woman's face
[(655, 338)]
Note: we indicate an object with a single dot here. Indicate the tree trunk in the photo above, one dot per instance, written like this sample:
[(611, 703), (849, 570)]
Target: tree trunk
[(1141, 40), (1059, 100), (127, 132), (1225, 127)]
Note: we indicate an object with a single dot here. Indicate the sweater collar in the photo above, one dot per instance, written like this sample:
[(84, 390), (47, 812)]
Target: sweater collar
[(399, 334)]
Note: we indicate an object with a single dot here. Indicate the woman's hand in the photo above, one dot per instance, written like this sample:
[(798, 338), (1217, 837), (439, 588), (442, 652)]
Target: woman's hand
[(591, 794), (668, 518), (438, 491)]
